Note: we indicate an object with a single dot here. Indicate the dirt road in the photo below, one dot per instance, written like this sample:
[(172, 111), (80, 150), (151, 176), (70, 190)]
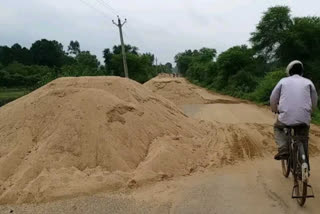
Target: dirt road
[(252, 186)]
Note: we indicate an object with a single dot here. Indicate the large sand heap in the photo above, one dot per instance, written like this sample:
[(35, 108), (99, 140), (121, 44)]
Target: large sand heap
[(181, 92), (178, 90), (79, 136)]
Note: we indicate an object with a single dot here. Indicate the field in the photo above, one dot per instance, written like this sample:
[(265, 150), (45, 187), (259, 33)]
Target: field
[(10, 94)]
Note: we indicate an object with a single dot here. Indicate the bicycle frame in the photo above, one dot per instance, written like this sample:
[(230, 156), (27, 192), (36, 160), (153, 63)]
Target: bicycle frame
[(298, 164)]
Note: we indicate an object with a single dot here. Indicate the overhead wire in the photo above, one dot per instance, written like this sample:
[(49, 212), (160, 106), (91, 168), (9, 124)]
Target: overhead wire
[(92, 7), (105, 3), (115, 12)]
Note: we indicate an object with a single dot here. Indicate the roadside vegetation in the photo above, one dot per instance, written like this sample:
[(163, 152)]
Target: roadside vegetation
[(22, 70), (252, 72), (8, 95)]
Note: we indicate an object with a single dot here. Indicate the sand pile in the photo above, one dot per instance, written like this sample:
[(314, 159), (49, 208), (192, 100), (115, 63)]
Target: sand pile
[(80, 136), (241, 130), (182, 92), (164, 75), (178, 90)]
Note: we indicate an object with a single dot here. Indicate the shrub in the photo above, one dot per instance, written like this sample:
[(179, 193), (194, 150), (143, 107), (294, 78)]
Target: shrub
[(263, 91)]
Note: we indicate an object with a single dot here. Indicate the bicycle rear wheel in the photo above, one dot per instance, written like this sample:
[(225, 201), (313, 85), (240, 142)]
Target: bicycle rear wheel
[(285, 167)]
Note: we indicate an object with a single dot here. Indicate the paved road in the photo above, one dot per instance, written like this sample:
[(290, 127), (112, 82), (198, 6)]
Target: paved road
[(250, 187)]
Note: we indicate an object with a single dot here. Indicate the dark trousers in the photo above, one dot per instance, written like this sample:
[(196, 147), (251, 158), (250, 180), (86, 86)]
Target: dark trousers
[(282, 139)]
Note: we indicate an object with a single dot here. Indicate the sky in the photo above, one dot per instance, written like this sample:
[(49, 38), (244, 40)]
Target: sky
[(163, 27)]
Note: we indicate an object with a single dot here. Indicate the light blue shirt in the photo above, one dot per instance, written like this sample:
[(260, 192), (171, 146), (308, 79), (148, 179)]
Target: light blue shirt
[(294, 98)]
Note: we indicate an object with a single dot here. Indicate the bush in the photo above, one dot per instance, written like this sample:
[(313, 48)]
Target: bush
[(22, 76), (264, 89), (241, 83), (316, 117)]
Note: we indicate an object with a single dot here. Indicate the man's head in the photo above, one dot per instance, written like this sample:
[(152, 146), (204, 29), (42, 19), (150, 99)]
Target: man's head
[(295, 67)]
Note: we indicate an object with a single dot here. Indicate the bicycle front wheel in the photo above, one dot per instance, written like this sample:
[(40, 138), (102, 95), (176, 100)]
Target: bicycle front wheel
[(300, 176), (301, 191)]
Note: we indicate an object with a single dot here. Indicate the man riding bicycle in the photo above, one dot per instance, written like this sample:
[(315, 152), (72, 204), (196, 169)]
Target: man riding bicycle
[(294, 98)]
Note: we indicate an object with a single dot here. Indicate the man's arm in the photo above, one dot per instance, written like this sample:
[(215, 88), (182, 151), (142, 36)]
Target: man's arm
[(275, 97), (314, 97)]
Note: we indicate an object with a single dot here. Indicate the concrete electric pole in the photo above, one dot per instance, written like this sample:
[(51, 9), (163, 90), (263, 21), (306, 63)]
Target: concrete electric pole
[(120, 25)]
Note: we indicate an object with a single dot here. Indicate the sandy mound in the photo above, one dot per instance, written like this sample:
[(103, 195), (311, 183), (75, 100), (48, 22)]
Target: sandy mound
[(178, 90), (181, 92), (79, 136)]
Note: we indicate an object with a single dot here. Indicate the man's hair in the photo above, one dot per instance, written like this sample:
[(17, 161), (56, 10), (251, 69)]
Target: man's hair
[(296, 69)]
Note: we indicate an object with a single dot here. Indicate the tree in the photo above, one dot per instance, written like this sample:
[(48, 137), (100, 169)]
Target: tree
[(271, 31), (128, 49), (21, 55), (49, 53), (232, 61), (6, 56), (168, 65), (85, 64), (74, 48), (15, 54), (184, 60), (140, 66), (303, 42), (207, 54), (85, 58), (107, 55)]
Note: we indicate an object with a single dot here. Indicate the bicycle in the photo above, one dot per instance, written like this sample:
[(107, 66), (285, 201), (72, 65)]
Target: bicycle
[(297, 163)]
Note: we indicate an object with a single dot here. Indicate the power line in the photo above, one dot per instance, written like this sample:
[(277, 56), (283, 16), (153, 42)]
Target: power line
[(105, 3), (92, 7)]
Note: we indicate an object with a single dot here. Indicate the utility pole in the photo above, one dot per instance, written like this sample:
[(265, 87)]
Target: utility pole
[(120, 25)]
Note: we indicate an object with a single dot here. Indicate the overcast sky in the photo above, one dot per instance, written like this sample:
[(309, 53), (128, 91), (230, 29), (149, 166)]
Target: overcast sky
[(163, 27)]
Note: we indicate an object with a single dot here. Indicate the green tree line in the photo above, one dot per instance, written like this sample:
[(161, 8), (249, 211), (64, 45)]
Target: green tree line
[(252, 72), (45, 60), (23, 70)]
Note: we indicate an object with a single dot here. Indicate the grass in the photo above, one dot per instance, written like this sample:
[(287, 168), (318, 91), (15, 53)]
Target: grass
[(316, 117), (9, 94)]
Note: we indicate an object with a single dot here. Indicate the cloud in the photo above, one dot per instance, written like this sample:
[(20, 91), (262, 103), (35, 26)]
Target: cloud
[(161, 27)]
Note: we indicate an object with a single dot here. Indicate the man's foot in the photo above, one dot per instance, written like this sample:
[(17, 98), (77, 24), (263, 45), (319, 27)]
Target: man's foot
[(282, 154)]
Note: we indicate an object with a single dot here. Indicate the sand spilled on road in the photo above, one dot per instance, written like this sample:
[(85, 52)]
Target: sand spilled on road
[(250, 126), (80, 136)]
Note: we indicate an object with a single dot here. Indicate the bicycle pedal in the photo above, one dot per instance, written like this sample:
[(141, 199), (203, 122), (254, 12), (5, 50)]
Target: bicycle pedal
[(309, 190)]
